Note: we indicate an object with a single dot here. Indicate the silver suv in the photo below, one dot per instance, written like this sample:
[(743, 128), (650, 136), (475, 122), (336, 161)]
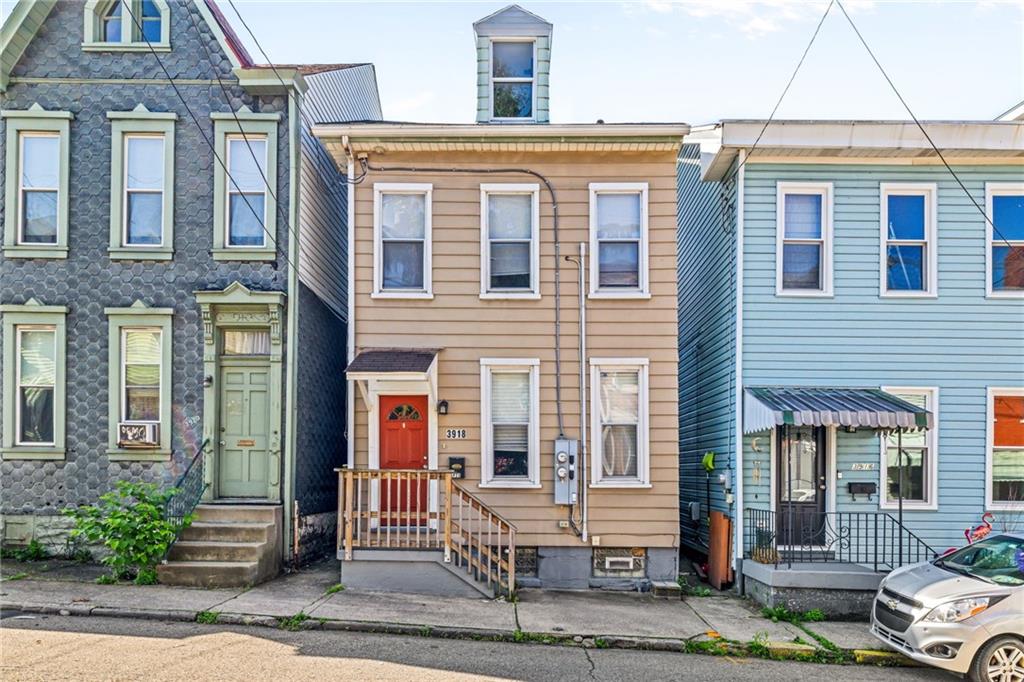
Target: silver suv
[(963, 612)]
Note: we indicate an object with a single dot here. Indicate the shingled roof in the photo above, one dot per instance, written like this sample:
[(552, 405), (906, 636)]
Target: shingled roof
[(379, 360)]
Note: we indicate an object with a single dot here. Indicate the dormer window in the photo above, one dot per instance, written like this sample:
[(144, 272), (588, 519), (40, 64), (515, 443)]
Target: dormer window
[(126, 25), (512, 79)]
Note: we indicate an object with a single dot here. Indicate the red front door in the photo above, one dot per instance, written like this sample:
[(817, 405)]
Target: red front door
[(403, 445)]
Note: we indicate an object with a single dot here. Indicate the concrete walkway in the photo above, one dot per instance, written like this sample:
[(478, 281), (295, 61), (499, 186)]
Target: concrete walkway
[(306, 599)]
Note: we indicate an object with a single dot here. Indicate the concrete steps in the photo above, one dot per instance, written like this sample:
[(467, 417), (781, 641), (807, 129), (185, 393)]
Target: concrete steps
[(226, 546)]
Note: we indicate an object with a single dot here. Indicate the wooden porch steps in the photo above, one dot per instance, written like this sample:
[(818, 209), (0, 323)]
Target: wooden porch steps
[(226, 546)]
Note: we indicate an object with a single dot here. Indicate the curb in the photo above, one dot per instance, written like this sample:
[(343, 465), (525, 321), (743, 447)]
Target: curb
[(859, 656)]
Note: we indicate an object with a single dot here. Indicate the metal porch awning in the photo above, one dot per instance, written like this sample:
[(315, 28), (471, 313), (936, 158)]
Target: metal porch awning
[(765, 407)]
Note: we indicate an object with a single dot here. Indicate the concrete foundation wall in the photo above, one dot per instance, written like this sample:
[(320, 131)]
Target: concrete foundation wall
[(840, 604), (572, 568)]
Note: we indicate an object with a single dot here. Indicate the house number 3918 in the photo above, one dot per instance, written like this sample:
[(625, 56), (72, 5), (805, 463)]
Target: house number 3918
[(455, 434)]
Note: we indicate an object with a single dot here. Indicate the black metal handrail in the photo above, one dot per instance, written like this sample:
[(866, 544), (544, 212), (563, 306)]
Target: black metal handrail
[(872, 539), (189, 492)]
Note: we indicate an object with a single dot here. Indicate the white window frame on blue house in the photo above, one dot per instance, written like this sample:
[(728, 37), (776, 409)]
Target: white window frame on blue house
[(825, 190), (931, 485), (929, 190), (994, 189), (990, 434)]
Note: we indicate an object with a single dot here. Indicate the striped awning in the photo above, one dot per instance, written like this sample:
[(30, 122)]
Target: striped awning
[(767, 406)]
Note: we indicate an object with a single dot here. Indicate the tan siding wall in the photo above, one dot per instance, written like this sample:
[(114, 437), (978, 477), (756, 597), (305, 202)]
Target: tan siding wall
[(468, 328)]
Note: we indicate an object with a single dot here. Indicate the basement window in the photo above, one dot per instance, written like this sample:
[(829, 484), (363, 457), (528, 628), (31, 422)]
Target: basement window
[(620, 562)]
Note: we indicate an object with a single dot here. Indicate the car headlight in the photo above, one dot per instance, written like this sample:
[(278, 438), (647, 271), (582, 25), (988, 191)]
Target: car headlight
[(961, 609)]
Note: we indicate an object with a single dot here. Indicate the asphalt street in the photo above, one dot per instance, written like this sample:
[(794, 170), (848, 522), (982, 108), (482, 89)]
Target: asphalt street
[(77, 648)]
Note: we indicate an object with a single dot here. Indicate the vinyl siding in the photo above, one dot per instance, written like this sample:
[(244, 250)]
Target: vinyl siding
[(468, 328), (707, 359), (960, 341)]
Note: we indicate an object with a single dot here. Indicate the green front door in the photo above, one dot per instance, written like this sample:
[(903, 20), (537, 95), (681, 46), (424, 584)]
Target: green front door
[(243, 465)]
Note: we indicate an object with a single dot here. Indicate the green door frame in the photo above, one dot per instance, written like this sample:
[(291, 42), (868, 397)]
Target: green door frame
[(239, 307)]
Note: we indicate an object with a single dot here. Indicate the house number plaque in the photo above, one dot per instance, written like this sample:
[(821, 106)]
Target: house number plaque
[(247, 442), (455, 434)]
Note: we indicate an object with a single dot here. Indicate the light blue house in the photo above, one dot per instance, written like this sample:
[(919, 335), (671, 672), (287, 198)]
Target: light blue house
[(843, 296)]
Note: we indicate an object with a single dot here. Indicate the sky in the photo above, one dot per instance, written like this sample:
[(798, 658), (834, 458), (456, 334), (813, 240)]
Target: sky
[(695, 61)]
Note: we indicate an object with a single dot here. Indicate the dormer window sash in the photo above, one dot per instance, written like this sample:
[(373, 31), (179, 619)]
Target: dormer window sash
[(509, 84)]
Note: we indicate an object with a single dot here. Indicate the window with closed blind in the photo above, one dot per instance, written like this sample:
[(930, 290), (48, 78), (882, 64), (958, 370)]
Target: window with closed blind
[(509, 422)]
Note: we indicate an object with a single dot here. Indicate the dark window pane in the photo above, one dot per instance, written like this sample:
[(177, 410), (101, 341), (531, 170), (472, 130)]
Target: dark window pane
[(511, 450), (403, 265), (142, 404), (39, 218), (905, 268), (914, 474), (513, 60), (513, 100), (510, 265), (246, 220), (619, 264), (801, 266), (36, 415), (906, 217), (1008, 216), (1007, 267), (145, 215), (803, 216)]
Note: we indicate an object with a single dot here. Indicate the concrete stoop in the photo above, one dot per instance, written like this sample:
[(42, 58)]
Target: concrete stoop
[(226, 546), (410, 572)]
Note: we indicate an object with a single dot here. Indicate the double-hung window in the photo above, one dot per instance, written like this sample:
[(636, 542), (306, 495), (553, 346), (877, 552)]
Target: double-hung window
[(34, 385), (509, 241), (619, 416), (1004, 484), (909, 249), (247, 191), (803, 242), (618, 240), (512, 79), (402, 240), (510, 422), (143, 208), (140, 372), (919, 459), (1005, 242), (39, 188)]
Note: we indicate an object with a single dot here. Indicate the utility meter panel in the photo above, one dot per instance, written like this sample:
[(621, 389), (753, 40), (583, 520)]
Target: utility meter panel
[(565, 470)]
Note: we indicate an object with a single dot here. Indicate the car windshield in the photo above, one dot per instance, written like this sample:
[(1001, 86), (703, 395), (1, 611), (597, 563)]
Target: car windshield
[(998, 559)]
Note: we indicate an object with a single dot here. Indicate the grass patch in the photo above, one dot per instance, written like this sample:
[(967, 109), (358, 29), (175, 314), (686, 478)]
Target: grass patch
[(293, 623), (692, 590), (535, 637), (16, 576), (712, 647), (207, 617), (106, 579), (781, 613), (334, 589), (600, 643)]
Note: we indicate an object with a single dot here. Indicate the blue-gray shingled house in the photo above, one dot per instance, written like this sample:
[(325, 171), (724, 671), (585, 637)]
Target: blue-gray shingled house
[(172, 278), (851, 348)]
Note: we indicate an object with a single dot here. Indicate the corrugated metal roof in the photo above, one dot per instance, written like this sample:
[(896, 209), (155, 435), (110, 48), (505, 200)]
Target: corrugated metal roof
[(768, 406), (393, 360)]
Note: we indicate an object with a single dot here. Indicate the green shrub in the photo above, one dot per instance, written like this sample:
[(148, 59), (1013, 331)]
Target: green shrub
[(131, 522), (33, 551)]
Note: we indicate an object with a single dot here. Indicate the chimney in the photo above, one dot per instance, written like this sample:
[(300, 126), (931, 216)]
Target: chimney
[(513, 60)]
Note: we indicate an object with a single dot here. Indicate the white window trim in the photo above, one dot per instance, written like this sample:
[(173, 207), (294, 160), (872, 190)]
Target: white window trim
[(18, 331), (643, 464), (487, 366), (427, 190), (20, 227), (532, 81), (994, 189), (825, 190), (96, 10), (644, 290), (126, 138), (929, 190), (485, 257), (124, 376), (992, 392), (931, 502), (230, 189)]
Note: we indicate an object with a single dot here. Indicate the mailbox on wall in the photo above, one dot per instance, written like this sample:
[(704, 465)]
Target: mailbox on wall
[(868, 488), (458, 466)]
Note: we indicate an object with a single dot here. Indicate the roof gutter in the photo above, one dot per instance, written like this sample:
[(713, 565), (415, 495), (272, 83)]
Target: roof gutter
[(429, 131)]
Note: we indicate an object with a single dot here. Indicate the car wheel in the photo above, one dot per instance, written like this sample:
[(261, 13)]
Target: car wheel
[(1001, 660)]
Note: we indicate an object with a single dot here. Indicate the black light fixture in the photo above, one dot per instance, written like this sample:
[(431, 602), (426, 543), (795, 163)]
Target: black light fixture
[(207, 381), (442, 407)]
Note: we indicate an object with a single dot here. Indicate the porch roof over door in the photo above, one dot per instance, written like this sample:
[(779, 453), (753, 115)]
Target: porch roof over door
[(765, 407), (374, 362)]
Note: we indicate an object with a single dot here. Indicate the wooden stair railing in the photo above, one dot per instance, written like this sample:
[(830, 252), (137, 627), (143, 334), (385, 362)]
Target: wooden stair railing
[(419, 509)]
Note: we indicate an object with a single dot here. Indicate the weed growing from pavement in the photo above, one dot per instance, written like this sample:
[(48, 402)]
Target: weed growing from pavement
[(106, 579), (334, 589), (293, 623), (692, 590), (16, 576), (600, 643), (781, 613), (33, 551), (207, 617)]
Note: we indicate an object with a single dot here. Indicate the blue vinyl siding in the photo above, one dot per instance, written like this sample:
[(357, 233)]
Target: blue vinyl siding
[(959, 341), (706, 268)]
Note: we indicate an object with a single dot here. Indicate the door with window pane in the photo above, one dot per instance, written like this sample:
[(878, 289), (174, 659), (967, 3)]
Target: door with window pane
[(801, 484)]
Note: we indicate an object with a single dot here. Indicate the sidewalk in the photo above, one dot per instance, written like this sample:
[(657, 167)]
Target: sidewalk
[(716, 624)]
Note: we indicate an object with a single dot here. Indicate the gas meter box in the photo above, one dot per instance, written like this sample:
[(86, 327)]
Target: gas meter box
[(565, 470)]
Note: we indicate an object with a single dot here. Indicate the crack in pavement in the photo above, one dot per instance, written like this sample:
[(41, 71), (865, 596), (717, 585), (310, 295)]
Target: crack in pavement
[(590, 660)]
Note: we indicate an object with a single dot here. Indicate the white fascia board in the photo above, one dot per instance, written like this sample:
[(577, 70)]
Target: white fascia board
[(429, 130)]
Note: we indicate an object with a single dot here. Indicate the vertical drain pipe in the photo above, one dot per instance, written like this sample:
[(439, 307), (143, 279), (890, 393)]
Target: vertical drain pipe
[(583, 469)]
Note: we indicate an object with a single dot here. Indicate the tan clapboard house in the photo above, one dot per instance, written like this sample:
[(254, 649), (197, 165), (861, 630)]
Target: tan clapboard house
[(493, 267)]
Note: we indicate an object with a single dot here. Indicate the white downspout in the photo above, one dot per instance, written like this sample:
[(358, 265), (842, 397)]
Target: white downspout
[(738, 390), (350, 407)]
